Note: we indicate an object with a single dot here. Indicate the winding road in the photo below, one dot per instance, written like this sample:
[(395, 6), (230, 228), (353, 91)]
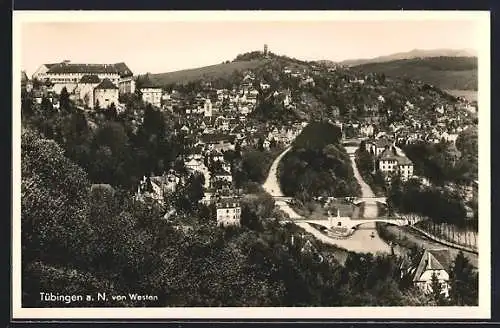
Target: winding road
[(363, 240)]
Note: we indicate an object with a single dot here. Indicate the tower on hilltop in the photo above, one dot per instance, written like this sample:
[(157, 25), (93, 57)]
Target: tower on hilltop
[(265, 50)]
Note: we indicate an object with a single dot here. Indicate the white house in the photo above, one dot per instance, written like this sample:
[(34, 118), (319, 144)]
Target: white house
[(85, 89), (207, 108), (105, 94), (152, 95), (390, 163), (439, 109), (437, 262), (264, 86), (367, 130), (228, 212)]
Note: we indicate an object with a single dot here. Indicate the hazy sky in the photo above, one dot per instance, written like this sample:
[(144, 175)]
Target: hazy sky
[(168, 46)]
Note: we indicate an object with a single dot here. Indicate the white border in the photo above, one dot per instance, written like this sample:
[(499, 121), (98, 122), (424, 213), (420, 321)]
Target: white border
[(481, 312)]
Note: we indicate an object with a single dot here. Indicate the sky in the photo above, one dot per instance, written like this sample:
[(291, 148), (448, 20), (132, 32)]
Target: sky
[(158, 47)]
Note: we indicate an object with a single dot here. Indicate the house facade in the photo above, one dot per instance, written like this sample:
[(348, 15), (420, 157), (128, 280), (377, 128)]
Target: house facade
[(433, 262), (390, 163), (105, 94), (152, 95), (228, 211), (67, 74)]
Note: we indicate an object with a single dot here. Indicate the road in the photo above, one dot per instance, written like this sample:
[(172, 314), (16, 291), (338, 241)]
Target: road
[(272, 186), (363, 240)]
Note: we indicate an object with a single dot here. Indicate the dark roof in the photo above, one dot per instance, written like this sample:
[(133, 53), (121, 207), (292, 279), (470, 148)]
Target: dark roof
[(434, 259), (228, 203), (119, 68), (221, 171), (90, 79), (123, 70), (215, 138), (382, 143), (83, 68), (106, 84), (389, 155)]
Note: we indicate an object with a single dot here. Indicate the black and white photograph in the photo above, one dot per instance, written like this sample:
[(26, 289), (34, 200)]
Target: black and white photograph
[(251, 164)]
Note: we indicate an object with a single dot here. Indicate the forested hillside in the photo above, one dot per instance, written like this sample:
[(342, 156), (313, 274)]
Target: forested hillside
[(447, 73)]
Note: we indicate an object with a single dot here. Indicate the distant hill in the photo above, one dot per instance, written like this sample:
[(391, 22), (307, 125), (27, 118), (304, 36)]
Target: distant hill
[(415, 53), (447, 73), (208, 72)]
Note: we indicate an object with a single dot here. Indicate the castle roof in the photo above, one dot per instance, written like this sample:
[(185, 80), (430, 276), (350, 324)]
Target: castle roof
[(65, 67), (123, 69)]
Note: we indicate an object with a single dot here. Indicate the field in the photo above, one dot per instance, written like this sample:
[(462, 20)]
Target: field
[(208, 72), (470, 95), (447, 73)]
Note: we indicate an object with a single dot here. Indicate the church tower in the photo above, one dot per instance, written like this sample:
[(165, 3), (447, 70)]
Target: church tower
[(265, 50)]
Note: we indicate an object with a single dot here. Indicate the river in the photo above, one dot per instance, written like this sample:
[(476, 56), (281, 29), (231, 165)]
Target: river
[(364, 240)]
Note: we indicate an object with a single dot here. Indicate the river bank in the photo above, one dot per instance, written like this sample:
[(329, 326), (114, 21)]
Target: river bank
[(407, 237)]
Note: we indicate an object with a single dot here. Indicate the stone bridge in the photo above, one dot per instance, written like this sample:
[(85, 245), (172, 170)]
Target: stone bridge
[(282, 198), (346, 222), (358, 200)]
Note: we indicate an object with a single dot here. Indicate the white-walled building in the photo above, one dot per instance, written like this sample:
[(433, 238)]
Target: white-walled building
[(228, 211), (207, 109), (433, 262), (390, 163), (152, 95), (67, 74), (105, 94), (85, 89)]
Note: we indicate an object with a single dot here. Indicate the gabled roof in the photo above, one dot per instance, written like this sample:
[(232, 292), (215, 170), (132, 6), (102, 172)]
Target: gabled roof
[(193, 162), (435, 259), (215, 138), (388, 154), (381, 143), (106, 84), (403, 160), (228, 203), (90, 79), (222, 172)]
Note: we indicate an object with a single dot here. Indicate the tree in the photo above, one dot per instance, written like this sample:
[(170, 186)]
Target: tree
[(463, 282), (26, 104), (46, 105), (64, 100), (437, 293), (111, 112), (54, 193)]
